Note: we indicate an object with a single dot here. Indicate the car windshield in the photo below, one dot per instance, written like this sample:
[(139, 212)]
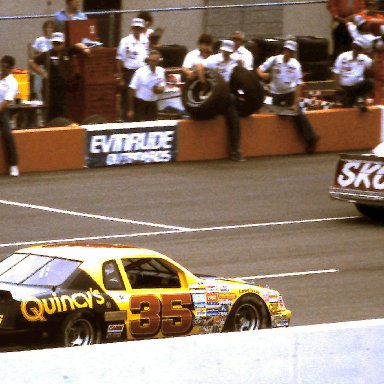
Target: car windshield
[(36, 270)]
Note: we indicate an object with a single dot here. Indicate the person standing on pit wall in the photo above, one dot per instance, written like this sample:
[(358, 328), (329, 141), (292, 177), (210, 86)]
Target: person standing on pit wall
[(8, 91), (341, 11), (224, 64), (198, 55), (286, 79), (70, 12), (241, 54), (131, 54), (53, 67), (350, 72), (147, 83)]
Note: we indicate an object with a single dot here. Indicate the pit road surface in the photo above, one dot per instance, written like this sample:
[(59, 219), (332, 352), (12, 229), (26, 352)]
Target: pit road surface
[(269, 219)]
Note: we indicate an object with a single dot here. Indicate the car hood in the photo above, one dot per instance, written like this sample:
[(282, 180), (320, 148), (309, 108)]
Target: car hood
[(20, 292)]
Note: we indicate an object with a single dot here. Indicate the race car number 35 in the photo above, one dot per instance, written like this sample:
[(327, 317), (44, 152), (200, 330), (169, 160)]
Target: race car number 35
[(170, 313)]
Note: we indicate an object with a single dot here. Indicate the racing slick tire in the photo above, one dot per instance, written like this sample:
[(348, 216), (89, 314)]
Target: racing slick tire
[(79, 328), (59, 122), (248, 91), (248, 313), (372, 212), (205, 103), (94, 119)]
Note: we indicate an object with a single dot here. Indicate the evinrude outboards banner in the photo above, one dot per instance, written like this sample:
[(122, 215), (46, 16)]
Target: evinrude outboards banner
[(128, 143)]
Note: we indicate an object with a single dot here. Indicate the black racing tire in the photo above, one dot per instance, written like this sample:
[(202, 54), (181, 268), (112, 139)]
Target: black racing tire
[(312, 49), (94, 119), (202, 105), (172, 55), (248, 313), (59, 122), (248, 91), (79, 328), (267, 47), (372, 212), (317, 71)]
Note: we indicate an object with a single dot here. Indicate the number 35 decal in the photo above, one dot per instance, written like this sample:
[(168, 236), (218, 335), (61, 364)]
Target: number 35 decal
[(171, 314)]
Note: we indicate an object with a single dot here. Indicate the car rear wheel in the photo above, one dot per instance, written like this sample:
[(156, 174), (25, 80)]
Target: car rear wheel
[(247, 314), (372, 212), (79, 329)]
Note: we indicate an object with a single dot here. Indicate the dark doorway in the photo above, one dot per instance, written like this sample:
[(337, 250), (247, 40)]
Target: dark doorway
[(108, 24)]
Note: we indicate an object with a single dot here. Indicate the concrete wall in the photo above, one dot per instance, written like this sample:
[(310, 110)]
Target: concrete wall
[(343, 353), (181, 27), (62, 148)]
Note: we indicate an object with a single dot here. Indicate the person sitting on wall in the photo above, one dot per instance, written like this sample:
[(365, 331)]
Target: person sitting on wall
[(70, 12), (352, 70), (146, 84), (285, 78), (196, 56), (54, 67), (8, 91)]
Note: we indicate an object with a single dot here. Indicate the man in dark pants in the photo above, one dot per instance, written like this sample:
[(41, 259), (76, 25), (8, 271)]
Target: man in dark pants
[(54, 67), (131, 54), (146, 84), (285, 76), (224, 64), (8, 91)]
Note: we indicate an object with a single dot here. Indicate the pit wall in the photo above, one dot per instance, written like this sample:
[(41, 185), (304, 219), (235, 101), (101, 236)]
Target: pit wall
[(342, 353), (63, 148)]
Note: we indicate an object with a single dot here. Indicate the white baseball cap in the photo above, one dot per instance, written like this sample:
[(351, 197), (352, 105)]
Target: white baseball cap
[(228, 46), (136, 22), (359, 20), (291, 45), (58, 37)]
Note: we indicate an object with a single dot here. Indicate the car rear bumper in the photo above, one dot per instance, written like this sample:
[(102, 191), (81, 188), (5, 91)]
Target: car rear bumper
[(357, 196)]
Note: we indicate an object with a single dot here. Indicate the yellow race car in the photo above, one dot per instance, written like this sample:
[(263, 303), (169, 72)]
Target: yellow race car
[(78, 294)]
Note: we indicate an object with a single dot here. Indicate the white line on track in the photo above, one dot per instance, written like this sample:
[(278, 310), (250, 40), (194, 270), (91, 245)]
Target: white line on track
[(289, 274), (87, 215)]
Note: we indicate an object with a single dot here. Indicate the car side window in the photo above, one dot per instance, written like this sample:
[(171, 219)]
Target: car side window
[(111, 276), (151, 273)]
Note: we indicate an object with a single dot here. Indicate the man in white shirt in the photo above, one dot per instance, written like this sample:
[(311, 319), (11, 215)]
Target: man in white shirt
[(241, 54), (286, 79), (131, 54), (146, 84), (224, 64), (8, 90), (204, 49), (350, 72)]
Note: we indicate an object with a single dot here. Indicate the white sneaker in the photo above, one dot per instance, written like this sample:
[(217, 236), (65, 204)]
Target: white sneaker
[(14, 171)]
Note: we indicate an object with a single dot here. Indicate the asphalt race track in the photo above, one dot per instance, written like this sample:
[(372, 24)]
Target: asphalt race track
[(268, 219)]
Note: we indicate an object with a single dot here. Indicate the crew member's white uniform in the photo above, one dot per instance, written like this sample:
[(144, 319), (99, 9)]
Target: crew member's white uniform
[(144, 80), (132, 52), (217, 62), (369, 40), (351, 70), (245, 56), (192, 58), (285, 76), (8, 88)]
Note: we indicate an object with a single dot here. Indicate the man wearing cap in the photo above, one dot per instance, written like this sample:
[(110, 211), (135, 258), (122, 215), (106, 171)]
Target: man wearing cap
[(131, 54), (8, 91), (147, 83), (53, 67), (350, 71), (286, 79), (70, 12), (224, 64), (241, 54), (341, 11)]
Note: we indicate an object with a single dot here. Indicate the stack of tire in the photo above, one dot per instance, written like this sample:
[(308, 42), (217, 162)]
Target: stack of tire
[(173, 55), (312, 54)]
